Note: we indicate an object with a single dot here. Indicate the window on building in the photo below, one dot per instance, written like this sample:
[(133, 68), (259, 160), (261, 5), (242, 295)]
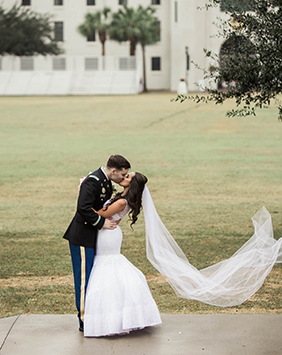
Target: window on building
[(59, 31), (26, 2), (92, 37), (90, 2), (156, 2), (27, 63), (175, 11), (58, 2), (91, 64), (59, 63), (236, 5), (156, 63), (122, 2)]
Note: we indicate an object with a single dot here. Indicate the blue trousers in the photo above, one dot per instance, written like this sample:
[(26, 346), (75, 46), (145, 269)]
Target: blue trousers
[(82, 262)]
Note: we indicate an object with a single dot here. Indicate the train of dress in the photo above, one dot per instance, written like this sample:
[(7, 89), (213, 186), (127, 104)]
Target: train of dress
[(225, 284)]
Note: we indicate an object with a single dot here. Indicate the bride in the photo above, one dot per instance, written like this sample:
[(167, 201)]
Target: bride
[(118, 299)]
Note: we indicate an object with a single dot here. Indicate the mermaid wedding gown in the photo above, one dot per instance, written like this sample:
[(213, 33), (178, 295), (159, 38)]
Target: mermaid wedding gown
[(118, 298)]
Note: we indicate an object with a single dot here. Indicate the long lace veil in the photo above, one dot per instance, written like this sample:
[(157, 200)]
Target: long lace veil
[(227, 283)]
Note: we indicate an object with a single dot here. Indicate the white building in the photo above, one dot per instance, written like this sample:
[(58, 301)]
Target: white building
[(185, 32)]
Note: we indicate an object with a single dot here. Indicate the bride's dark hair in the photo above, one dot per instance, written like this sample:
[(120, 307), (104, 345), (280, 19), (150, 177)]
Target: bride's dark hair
[(133, 196)]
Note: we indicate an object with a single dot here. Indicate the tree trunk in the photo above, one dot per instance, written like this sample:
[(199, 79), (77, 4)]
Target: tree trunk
[(132, 46), (144, 70), (103, 55), (102, 38), (103, 48)]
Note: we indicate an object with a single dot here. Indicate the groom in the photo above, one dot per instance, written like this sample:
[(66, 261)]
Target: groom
[(95, 190)]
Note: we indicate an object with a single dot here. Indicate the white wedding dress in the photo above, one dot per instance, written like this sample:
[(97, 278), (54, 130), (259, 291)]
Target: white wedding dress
[(118, 298)]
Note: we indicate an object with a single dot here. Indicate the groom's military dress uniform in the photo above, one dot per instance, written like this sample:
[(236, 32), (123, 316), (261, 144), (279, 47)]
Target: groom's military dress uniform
[(82, 232)]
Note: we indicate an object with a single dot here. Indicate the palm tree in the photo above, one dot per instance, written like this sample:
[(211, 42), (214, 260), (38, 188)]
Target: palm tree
[(98, 21), (124, 27), (136, 26), (149, 27)]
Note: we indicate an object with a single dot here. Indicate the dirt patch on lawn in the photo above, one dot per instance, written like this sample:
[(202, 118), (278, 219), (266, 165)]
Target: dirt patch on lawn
[(156, 278), (35, 281)]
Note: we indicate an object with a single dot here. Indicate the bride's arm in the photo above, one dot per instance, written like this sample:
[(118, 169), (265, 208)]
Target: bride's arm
[(112, 209)]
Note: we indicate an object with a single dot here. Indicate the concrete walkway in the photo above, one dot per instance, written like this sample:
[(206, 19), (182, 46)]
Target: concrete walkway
[(188, 334)]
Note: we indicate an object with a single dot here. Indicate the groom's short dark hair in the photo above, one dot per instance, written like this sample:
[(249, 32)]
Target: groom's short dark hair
[(118, 162)]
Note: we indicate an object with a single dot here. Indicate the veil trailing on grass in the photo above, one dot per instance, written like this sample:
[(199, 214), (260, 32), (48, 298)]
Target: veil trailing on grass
[(225, 284)]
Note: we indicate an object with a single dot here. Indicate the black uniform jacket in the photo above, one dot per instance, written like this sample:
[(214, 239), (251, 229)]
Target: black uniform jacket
[(95, 190)]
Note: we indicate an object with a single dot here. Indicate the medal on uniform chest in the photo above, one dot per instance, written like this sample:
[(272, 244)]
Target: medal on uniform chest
[(103, 190)]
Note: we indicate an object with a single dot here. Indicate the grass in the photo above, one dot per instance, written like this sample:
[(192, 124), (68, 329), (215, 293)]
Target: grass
[(208, 175)]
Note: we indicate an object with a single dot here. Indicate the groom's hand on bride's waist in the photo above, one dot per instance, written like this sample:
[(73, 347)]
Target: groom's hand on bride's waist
[(109, 224)]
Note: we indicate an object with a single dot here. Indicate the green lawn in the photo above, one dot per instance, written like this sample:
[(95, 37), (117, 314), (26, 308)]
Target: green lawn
[(208, 175)]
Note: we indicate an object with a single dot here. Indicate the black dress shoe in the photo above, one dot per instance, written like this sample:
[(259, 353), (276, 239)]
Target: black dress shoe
[(81, 327)]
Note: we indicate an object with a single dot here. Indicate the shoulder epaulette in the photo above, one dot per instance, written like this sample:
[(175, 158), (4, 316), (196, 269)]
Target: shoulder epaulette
[(94, 177)]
